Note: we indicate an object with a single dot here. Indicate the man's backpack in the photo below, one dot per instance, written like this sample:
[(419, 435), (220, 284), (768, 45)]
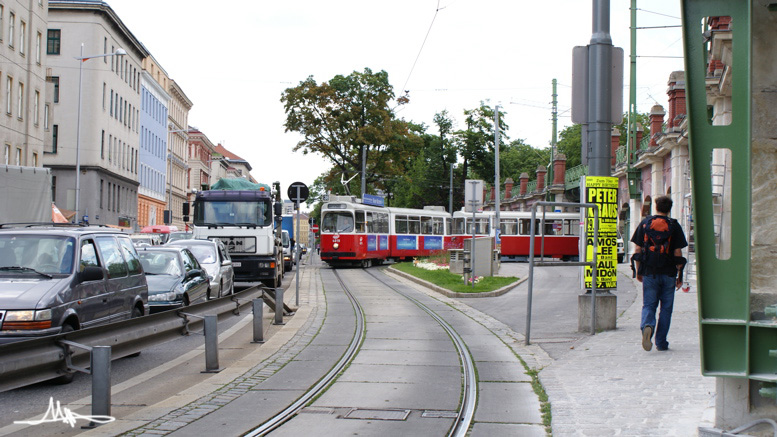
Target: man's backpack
[(656, 247)]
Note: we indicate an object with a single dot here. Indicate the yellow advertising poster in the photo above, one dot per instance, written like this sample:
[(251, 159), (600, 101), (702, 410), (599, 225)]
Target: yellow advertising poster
[(603, 191)]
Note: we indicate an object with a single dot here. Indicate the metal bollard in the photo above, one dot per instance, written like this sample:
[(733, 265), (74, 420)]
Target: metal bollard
[(278, 306), (258, 307), (101, 384), (211, 344)]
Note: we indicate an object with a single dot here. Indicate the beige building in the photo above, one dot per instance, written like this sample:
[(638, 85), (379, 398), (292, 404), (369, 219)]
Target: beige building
[(24, 125), (177, 141), (200, 155), (110, 93)]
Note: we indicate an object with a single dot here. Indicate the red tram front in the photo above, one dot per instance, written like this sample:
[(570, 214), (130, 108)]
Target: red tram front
[(354, 234)]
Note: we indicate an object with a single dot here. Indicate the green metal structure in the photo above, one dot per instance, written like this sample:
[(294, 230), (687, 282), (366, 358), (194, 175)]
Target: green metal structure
[(733, 343)]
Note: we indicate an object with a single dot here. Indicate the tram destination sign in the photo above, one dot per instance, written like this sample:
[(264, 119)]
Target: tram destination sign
[(373, 200)]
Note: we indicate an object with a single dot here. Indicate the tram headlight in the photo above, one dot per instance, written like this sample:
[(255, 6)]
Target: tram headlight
[(336, 246)]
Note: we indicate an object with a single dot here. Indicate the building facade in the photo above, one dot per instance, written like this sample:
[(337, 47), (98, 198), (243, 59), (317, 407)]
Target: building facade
[(107, 144), (23, 29), (200, 156), (177, 141), (152, 175)]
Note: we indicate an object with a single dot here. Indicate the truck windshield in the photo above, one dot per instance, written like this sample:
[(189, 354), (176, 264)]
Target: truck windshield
[(227, 213), (335, 222)]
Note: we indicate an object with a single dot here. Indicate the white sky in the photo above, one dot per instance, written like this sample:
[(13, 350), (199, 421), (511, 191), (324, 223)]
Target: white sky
[(234, 59)]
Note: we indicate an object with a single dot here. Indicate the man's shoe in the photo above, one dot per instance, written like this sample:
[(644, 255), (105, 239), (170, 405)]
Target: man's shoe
[(647, 333), (662, 349)]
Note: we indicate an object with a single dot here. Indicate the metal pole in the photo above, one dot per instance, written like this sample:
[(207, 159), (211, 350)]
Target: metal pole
[(258, 310), (553, 138), (593, 271), (101, 381), (170, 182), (78, 137), (532, 232), (474, 235), (364, 170), (296, 247), (497, 178), (599, 93), (631, 142), (450, 195), (211, 344), (278, 306)]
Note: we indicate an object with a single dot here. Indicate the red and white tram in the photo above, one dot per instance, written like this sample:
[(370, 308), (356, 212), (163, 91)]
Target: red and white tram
[(353, 233), (561, 232)]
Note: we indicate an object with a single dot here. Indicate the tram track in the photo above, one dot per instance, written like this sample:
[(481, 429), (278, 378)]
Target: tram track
[(465, 413)]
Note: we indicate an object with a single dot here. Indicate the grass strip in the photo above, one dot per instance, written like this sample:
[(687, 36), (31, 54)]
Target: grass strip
[(454, 282)]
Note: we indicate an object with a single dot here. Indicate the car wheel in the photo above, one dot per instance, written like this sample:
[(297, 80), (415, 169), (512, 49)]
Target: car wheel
[(136, 312), (66, 378)]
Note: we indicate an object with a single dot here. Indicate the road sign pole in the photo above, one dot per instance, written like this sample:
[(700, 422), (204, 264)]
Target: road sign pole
[(296, 246)]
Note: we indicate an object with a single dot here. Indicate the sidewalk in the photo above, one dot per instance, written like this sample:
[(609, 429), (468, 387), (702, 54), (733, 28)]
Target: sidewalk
[(609, 385)]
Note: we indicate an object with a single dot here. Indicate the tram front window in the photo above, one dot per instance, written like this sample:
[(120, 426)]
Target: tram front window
[(336, 222)]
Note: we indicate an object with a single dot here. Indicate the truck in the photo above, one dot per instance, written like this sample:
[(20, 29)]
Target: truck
[(245, 216), (26, 194), (287, 225)]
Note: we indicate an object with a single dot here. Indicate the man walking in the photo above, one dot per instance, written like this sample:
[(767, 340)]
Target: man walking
[(659, 265)]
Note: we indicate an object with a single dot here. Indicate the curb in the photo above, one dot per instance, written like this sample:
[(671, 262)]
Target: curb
[(448, 293)]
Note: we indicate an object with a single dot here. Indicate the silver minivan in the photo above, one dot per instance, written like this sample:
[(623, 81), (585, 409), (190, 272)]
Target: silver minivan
[(63, 278)]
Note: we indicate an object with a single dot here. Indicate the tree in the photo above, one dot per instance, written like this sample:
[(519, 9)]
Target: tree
[(570, 144), (346, 117), (519, 157), (476, 142)]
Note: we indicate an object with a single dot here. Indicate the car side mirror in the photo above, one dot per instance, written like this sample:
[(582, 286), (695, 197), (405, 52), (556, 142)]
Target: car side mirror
[(91, 273), (226, 262)]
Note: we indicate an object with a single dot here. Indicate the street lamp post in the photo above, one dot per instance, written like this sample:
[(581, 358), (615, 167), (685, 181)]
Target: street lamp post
[(82, 59)]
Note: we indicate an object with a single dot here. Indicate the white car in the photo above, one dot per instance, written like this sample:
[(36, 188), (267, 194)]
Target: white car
[(621, 248), (214, 258)]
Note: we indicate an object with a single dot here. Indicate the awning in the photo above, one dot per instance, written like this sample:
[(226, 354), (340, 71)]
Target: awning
[(158, 229), (61, 215)]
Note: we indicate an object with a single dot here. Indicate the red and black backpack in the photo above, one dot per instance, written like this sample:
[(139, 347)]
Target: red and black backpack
[(657, 243)]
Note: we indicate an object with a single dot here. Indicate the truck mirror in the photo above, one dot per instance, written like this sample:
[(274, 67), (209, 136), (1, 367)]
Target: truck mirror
[(278, 209)]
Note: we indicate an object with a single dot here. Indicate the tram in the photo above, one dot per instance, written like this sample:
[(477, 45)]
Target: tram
[(561, 232), (353, 233)]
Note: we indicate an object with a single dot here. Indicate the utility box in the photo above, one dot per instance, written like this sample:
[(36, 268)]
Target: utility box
[(456, 261), (484, 256)]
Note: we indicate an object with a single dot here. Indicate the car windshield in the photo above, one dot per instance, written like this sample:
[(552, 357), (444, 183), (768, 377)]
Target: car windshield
[(204, 254), (31, 254), (175, 236), (160, 263)]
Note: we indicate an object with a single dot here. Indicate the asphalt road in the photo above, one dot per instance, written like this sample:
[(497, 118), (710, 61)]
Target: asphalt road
[(554, 304)]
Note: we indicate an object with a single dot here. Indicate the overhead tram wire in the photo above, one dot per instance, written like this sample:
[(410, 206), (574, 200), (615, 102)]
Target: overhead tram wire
[(404, 87)]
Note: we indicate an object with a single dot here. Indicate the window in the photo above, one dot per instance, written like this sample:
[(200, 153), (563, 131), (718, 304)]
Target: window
[(34, 159), (22, 36), (2, 9), (111, 108), (46, 116), (88, 256), (18, 156), (53, 188), (20, 103), (104, 87), (130, 255), (101, 193), (55, 81), (8, 97), (105, 49), (54, 138), (11, 24), (113, 50), (7, 156), (35, 108), (114, 262), (53, 41), (102, 145), (38, 42)]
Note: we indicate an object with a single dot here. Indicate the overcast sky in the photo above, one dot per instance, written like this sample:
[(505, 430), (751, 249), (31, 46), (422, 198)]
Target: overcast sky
[(234, 59)]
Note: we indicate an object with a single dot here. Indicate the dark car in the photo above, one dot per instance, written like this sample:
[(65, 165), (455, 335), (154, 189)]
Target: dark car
[(175, 278), (214, 258), (62, 278)]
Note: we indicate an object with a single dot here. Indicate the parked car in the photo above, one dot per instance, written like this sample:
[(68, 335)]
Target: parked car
[(287, 254), (139, 240), (214, 258), (621, 248), (63, 278), (175, 236), (175, 278)]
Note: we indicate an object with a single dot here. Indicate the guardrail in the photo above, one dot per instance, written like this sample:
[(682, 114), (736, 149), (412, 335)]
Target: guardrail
[(32, 361)]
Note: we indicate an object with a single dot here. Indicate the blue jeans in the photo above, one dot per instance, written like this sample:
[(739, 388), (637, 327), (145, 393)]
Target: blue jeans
[(655, 289)]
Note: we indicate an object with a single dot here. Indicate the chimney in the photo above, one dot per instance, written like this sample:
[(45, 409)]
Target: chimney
[(541, 172), (559, 169), (615, 142), (676, 93), (509, 188), (523, 181), (656, 121)]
